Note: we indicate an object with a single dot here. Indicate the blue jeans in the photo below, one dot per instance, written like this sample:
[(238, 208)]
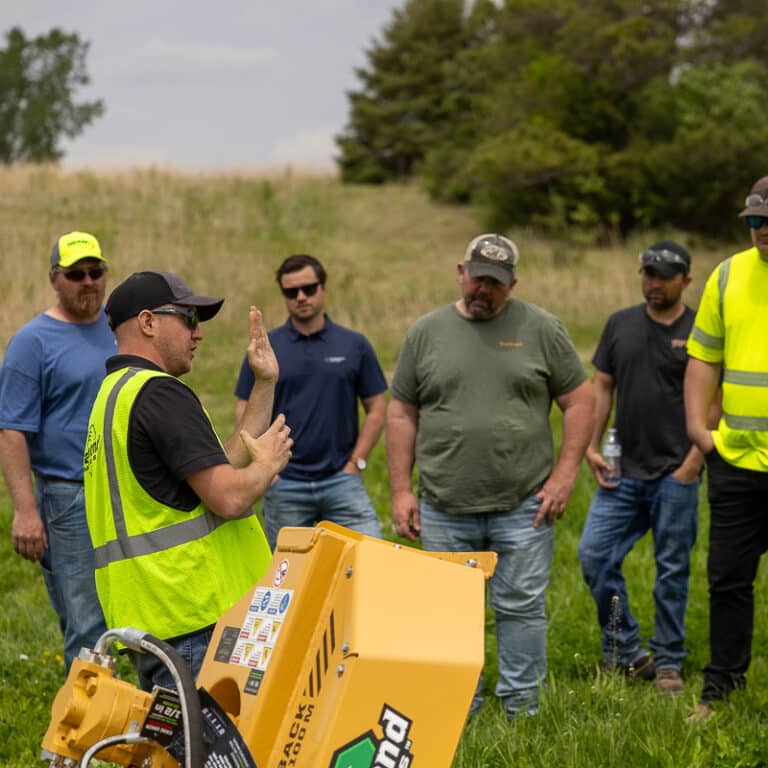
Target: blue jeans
[(340, 498), (192, 649), (67, 564), (617, 519), (517, 590)]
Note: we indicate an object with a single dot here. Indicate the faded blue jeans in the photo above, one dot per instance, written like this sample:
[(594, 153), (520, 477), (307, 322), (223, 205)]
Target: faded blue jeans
[(517, 590), (192, 649), (340, 498), (617, 519), (67, 564)]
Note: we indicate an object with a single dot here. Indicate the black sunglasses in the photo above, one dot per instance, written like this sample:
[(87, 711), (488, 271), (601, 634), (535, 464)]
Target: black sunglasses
[(650, 257), (310, 289), (78, 275), (188, 313), (756, 222)]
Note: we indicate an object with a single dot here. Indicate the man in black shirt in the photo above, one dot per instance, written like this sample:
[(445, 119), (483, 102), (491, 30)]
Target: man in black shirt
[(641, 357)]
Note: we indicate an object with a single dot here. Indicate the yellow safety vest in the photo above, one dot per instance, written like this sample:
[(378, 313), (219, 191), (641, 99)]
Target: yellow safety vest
[(167, 571), (730, 329)]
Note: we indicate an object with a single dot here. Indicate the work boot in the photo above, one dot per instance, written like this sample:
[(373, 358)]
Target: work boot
[(640, 669), (669, 680)]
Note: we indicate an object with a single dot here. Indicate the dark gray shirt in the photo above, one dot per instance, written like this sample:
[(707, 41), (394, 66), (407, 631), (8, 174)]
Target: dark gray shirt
[(647, 362)]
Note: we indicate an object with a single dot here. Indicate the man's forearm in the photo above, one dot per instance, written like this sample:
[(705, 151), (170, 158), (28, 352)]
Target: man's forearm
[(578, 421), (700, 385), (27, 530), (17, 469), (400, 442), (256, 417), (690, 469), (371, 428), (229, 492), (603, 404)]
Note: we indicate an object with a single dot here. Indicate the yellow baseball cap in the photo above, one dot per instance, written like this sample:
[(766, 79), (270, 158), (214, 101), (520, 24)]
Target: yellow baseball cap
[(73, 247)]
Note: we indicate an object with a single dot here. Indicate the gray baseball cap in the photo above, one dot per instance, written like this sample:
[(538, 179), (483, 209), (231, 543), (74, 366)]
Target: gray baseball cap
[(493, 256)]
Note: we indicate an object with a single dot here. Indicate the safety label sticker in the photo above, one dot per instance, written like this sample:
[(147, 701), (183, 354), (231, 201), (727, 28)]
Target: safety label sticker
[(261, 627)]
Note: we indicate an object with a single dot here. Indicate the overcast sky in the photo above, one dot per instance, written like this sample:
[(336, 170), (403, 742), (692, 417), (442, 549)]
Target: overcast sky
[(208, 84)]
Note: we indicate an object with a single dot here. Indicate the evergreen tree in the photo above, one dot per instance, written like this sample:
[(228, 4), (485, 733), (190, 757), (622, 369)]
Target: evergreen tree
[(403, 103)]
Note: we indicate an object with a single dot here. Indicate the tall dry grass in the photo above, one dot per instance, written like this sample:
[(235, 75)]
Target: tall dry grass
[(390, 253)]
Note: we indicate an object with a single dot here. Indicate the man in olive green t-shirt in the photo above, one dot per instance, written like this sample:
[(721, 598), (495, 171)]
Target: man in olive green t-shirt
[(471, 398)]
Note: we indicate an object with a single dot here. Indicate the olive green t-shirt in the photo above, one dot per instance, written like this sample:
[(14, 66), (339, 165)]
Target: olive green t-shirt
[(484, 390)]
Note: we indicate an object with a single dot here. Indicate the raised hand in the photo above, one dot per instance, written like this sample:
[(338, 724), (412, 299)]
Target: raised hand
[(261, 356)]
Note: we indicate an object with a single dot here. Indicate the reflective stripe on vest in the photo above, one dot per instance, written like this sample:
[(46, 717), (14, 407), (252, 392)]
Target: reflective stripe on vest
[(710, 342), (125, 546), (722, 282)]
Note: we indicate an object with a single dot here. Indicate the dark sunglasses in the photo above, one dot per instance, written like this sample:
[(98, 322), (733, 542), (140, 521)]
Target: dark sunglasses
[(756, 222), (650, 257), (310, 289), (78, 275), (188, 313)]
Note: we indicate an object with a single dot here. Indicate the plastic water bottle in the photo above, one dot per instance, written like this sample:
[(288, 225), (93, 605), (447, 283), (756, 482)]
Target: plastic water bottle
[(612, 456)]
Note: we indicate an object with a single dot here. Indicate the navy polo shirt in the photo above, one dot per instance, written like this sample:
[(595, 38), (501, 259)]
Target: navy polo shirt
[(321, 378)]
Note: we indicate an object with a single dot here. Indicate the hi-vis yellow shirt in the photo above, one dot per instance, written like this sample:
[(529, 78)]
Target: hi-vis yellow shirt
[(731, 329), (166, 571)]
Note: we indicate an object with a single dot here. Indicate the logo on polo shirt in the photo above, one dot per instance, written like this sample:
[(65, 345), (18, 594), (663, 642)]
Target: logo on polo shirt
[(335, 359)]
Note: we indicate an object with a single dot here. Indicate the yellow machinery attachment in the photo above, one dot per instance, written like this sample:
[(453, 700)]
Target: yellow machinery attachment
[(351, 652)]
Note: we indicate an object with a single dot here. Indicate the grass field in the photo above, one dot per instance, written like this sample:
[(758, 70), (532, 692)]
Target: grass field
[(391, 256)]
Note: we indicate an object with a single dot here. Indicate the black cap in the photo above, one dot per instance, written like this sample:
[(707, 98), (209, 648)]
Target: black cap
[(150, 290), (666, 257)]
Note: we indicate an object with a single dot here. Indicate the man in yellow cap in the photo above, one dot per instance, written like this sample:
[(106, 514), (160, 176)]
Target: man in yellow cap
[(50, 375)]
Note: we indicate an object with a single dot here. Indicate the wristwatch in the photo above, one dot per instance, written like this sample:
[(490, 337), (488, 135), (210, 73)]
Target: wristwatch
[(359, 462)]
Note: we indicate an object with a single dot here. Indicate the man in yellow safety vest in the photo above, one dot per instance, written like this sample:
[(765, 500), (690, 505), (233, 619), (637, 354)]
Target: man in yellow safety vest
[(168, 505)]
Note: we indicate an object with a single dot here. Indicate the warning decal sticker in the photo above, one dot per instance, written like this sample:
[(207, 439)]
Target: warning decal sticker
[(261, 627)]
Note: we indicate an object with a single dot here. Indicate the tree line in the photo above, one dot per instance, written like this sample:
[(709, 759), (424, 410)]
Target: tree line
[(573, 116)]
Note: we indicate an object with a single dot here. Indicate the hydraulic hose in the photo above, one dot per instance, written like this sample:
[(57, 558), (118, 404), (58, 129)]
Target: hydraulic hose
[(110, 741), (192, 716)]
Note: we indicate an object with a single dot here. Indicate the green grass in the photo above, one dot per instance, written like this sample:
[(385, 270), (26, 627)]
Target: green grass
[(391, 256)]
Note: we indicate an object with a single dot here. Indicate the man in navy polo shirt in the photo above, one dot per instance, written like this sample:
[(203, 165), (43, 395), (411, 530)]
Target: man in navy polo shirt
[(324, 369)]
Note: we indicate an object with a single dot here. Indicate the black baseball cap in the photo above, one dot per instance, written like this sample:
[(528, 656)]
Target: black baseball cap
[(150, 290), (666, 257)]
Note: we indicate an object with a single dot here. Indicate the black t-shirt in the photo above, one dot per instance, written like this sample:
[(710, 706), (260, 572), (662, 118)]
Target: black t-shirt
[(647, 362), (169, 436)]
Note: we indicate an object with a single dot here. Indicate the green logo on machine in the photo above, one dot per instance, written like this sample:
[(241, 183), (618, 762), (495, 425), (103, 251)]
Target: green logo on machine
[(366, 751)]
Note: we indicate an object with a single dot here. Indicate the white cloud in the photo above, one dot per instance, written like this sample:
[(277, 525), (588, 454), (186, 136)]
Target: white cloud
[(165, 57), (307, 149)]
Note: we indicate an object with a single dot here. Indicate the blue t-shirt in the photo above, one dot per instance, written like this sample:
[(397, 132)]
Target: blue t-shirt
[(49, 379), (321, 377)]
